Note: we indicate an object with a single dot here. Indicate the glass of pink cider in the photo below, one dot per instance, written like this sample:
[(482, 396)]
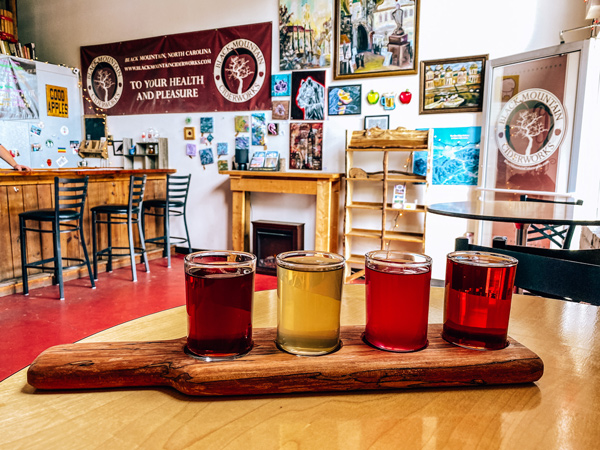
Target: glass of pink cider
[(219, 299), (478, 294), (397, 300)]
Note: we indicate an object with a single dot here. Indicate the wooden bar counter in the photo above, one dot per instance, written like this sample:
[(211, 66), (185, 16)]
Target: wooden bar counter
[(21, 191), (325, 186)]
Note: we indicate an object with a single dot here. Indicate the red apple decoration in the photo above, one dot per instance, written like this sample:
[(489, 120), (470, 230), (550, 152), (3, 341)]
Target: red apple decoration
[(405, 97)]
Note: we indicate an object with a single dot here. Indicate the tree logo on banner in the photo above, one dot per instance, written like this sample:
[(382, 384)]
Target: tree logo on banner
[(104, 81), (239, 70), (530, 128)]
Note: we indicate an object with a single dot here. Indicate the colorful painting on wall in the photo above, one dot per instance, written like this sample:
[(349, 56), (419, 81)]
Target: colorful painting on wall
[(308, 95), (242, 143), (222, 148), (281, 85), (259, 128), (206, 125), (306, 146), (452, 85), (344, 100), (280, 110), (375, 38), (304, 34), (456, 155), (273, 129), (242, 124), (206, 156)]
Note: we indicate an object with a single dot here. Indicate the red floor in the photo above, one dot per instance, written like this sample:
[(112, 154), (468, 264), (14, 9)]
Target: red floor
[(29, 325)]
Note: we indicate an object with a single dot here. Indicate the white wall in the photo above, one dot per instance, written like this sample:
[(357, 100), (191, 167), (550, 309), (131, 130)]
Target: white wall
[(447, 29)]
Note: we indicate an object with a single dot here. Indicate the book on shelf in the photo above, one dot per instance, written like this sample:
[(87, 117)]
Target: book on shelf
[(271, 159), (258, 159)]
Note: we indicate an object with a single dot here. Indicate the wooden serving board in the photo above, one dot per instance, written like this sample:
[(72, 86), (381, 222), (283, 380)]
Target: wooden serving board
[(268, 370)]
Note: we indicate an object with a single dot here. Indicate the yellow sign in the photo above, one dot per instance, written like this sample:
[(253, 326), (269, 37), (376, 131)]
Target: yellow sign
[(57, 101)]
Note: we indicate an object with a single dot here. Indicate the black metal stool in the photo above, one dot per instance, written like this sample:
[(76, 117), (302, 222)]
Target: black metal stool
[(178, 187), (66, 217), (124, 215)]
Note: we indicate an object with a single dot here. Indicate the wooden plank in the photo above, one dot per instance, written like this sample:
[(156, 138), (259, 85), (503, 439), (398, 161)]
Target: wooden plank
[(45, 193), (268, 370), (240, 221), (6, 261), (34, 240), (15, 207)]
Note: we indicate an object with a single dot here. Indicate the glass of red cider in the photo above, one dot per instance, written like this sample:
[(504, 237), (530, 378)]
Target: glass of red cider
[(397, 288), (219, 287), (478, 294)]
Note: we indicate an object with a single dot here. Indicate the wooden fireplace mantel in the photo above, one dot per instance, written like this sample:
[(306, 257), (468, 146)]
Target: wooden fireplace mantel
[(325, 186)]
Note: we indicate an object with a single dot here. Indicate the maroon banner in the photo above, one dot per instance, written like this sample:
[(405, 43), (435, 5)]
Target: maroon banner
[(227, 69)]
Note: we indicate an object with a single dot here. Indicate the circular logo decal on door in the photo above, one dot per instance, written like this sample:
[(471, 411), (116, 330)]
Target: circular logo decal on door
[(239, 70), (530, 128), (104, 81)]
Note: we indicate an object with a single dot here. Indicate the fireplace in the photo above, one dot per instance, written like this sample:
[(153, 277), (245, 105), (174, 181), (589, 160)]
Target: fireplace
[(271, 238)]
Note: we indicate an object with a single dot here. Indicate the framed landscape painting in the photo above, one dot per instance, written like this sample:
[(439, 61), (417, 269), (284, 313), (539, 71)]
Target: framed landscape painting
[(452, 85), (375, 38)]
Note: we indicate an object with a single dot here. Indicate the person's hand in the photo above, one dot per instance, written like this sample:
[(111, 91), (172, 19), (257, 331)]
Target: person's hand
[(21, 168)]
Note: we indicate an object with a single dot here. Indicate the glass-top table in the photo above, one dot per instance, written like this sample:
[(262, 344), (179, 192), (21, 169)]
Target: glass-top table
[(518, 212)]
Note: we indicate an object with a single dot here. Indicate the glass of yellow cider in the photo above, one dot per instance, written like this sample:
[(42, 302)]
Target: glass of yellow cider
[(309, 297)]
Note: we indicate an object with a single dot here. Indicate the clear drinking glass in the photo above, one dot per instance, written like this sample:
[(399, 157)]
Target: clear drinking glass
[(479, 287), (219, 300), (309, 296), (397, 300)]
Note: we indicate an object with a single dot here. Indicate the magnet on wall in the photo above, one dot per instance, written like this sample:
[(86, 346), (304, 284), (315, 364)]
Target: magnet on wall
[(49, 162), (49, 143), (64, 130)]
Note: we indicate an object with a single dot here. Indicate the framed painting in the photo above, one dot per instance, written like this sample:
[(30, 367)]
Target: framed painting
[(306, 145), (452, 85), (304, 34), (189, 133), (375, 38), (280, 110), (308, 95), (382, 122), (344, 100)]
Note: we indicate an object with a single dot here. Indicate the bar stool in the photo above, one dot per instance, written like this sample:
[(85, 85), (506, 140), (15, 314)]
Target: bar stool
[(69, 202), (122, 215), (178, 187)]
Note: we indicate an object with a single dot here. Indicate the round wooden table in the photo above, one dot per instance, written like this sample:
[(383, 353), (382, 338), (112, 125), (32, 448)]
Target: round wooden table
[(558, 411)]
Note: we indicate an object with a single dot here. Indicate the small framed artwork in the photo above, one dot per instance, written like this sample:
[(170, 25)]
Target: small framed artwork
[(345, 100), (280, 85), (280, 110), (452, 85), (382, 122), (189, 133), (117, 149), (375, 38)]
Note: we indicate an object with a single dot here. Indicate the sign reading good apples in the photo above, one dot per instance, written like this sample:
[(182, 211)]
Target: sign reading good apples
[(57, 101), (227, 69)]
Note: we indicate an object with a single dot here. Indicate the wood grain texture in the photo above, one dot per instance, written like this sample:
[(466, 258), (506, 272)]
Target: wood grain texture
[(267, 370), (35, 190)]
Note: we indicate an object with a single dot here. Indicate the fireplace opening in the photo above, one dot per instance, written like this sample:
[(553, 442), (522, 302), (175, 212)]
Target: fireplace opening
[(271, 238)]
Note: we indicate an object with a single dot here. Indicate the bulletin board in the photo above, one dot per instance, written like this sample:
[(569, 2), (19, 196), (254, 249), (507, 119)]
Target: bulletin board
[(52, 139)]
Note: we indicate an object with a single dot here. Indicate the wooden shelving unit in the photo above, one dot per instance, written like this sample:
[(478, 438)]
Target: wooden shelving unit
[(368, 194), (147, 155)]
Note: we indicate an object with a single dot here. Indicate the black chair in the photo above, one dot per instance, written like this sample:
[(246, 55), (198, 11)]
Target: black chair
[(122, 215), (178, 187), (555, 273), (561, 235), (65, 217)]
